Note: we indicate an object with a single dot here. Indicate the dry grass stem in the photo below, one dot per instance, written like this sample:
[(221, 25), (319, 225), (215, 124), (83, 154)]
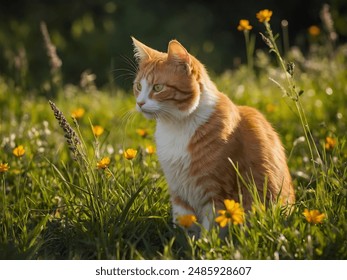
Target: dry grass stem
[(55, 61)]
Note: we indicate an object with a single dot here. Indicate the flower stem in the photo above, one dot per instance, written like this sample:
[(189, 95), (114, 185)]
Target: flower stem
[(250, 44), (294, 95)]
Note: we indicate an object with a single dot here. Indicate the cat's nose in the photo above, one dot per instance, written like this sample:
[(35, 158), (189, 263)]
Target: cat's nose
[(140, 104)]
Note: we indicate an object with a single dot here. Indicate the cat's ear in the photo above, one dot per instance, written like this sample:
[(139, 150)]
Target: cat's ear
[(141, 51), (178, 54)]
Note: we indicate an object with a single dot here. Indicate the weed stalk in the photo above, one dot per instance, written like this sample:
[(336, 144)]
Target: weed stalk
[(291, 91)]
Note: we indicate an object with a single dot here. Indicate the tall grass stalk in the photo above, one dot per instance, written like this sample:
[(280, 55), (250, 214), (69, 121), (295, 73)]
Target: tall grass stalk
[(291, 91), (54, 60), (4, 207), (250, 44), (90, 179)]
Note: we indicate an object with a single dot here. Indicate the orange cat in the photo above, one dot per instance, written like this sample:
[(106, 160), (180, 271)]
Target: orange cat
[(199, 130)]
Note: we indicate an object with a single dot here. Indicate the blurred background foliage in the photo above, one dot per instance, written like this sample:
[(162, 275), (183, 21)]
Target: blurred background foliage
[(95, 35)]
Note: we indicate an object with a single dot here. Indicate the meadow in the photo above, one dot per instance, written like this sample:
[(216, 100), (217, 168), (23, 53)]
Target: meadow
[(82, 181)]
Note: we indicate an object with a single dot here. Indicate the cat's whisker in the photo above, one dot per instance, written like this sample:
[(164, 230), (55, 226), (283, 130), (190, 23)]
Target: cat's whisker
[(166, 115), (166, 112), (132, 119), (127, 121), (131, 63), (125, 111), (127, 116), (128, 73)]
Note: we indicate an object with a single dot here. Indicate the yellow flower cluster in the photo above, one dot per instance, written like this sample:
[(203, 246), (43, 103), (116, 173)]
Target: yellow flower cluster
[(18, 151), (262, 16)]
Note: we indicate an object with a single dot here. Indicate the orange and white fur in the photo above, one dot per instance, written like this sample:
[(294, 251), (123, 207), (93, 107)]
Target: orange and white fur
[(200, 130)]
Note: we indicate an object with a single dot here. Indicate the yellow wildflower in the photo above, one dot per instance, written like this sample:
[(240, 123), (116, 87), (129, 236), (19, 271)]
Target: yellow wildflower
[(103, 163), (313, 216), (142, 132), (233, 213), (264, 15), (186, 220), (270, 108), (77, 113), (314, 30), (19, 151), (130, 154), (97, 130), (4, 167), (244, 25), (330, 143), (150, 150)]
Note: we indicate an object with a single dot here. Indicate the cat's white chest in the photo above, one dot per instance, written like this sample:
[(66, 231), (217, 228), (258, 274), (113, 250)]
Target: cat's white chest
[(172, 148), (173, 139)]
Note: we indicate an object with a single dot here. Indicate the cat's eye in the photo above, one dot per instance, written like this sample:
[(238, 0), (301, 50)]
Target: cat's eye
[(158, 87), (138, 86)]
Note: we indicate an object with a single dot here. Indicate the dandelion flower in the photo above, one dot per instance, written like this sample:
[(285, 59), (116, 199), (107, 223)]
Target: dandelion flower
[(78, 113), (314, 30), (4, 167), (142, 132), (244, 25), (330, 143), (186, 220), (19, 151), (150, 150), (130, 154), (103, 163), (313, 216), (264, 15), (233, 213), (97, 130)]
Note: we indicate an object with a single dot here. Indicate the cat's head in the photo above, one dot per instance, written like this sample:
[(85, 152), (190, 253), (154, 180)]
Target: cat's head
[(167, 85)]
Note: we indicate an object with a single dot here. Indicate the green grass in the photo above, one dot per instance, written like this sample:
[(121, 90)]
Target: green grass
[(54, 207)]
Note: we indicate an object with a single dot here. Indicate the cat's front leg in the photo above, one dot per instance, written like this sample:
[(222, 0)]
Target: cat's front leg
[(181, 211), (208, 215), (208, 221)]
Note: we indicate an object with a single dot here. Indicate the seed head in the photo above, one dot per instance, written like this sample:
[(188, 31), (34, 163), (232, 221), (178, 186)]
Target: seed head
[(70, 135)]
